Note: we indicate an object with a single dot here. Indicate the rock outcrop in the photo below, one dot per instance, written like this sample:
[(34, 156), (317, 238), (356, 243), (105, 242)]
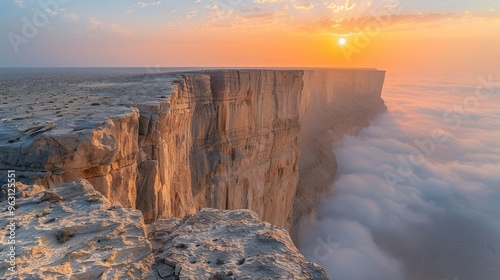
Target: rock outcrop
[(172, 144), (74, 232), (214, 244)]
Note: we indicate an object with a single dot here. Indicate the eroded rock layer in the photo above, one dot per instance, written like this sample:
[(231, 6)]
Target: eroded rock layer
[(172, 144), (227, 141)]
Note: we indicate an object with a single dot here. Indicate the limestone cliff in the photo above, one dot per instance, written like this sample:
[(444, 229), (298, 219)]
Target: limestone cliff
[(74, 232), (227, 141), (178, 142)]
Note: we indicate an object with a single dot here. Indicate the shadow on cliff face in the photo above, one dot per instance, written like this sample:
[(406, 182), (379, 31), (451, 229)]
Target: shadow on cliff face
[(416, 195)]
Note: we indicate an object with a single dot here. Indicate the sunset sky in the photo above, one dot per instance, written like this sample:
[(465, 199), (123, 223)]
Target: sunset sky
[(409, 35)]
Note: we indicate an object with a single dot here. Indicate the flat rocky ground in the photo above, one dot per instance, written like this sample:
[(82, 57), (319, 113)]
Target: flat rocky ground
[(72, 100)]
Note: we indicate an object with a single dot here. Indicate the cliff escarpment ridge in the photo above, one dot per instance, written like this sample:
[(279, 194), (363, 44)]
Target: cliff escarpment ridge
[(172, 144), (176, 143)]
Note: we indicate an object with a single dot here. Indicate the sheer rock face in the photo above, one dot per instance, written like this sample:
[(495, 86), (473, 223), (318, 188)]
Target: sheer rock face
[(74, 232), (334, 103), (226, 139)]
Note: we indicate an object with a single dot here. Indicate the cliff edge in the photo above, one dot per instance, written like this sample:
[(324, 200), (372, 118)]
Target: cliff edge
[(334, 103), (171, 144)]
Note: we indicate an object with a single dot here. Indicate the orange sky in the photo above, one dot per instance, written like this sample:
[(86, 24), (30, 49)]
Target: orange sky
[(466, 43), (283, 33)]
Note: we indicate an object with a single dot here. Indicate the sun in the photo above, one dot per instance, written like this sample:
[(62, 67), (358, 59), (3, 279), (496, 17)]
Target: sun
[(342, 41)]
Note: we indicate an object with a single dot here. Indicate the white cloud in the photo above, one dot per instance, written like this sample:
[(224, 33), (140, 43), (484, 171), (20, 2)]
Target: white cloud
[(71, 17), (148, 4), (93, 24), (20, 3), (190, 15), (346, 6), (115, 28), (303, 5), (269, 1), (432, 224)]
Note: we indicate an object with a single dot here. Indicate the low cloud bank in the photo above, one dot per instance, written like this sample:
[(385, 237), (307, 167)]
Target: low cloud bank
[(417, 194)]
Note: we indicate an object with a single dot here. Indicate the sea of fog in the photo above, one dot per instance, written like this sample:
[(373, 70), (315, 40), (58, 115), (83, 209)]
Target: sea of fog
[(417, 194)]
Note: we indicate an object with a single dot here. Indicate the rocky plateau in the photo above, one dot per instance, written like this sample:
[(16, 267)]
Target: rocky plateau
[(172, 145)]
